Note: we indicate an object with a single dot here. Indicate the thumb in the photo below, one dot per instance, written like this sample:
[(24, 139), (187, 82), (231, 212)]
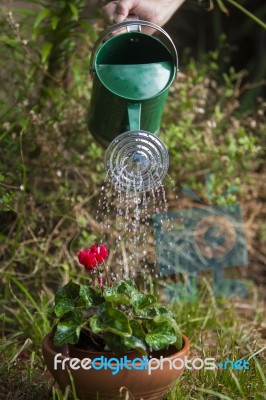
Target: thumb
[(123, 8)]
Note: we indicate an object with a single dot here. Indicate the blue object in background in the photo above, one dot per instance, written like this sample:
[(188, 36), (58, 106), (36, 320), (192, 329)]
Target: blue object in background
[(197, 239)]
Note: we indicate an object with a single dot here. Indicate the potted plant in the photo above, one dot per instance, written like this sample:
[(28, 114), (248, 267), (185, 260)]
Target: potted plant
[(110, 336)]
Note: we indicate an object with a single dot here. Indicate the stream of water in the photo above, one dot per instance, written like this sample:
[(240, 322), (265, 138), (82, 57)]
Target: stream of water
[(127, 227)]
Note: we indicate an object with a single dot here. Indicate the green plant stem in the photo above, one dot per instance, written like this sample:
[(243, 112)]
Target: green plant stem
[(222, 6), (248, 13), (99, 274)]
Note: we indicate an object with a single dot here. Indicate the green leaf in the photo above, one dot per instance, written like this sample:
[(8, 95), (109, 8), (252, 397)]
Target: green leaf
[(126, 287), (63, 306), (163, 318), (146, 313), (161, 337), (111, 295), (114, 321), (179, 341), (115, 343), (137, 329), (7, 40), (229, 92), (27, 12), (161, 310), (75, 11), (95, 324), (137, 339), (68, 331), (73, 295), (163, 331), (134, 343), (120, 293), (41, 16), (37, 32), (88, 28), (45, 52), (69, 291), (142, 300), (54, 22), (88, 296), (153, 311)]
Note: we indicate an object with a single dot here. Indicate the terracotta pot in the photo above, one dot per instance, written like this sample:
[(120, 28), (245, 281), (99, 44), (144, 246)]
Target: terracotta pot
[(102, 384)]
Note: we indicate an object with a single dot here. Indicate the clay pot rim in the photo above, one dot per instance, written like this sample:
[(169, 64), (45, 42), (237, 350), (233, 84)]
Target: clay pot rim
[(48, 344)]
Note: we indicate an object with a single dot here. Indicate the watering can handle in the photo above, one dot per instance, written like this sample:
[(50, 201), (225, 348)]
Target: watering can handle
[(131, 27), (127, 24)]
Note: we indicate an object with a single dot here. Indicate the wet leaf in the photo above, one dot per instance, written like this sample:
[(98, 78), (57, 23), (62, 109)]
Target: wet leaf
[(114, 321), (111, 295), (95, 324), (137, 339), (163, 331), (68, 331), (88, 297), (63, 306), (69, 291), (115, 343), (142, 300)]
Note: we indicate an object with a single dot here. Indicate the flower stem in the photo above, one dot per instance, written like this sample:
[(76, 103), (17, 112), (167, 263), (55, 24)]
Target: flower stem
[(99, 274), (106, 275)]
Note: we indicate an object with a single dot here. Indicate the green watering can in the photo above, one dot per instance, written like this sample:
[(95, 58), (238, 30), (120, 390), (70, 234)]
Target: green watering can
[(132, 73)]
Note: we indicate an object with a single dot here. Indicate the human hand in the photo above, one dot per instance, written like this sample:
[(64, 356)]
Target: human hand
[(155, 11)]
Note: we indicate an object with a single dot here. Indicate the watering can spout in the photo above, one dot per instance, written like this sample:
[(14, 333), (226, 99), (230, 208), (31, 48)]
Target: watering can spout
[(134, 116)]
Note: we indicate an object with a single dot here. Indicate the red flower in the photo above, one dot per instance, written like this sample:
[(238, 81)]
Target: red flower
[(91, 261), (100, 252), (103, 252), (92, 257), (82, 256), (94, 248), (87, 258)]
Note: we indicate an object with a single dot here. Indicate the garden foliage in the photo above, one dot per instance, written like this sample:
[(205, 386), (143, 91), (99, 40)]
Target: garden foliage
[(121, 316)]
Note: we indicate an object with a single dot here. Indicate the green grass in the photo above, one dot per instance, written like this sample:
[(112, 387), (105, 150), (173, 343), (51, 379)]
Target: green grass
[(217, 330)]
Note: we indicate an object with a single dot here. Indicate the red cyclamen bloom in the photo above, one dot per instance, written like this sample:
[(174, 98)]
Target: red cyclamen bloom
[(100, 252), (94, 248), (88, 259), (92, 257)]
